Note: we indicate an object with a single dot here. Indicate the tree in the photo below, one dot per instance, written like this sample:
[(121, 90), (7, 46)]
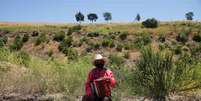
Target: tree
[(189, 16), (138, 17), (150, 23), (107, 16), (92, 17), (79, 17)]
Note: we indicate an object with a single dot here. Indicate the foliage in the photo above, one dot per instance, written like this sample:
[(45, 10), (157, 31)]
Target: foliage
[(143, 39), (2, 41), (161, 37), (182, 37), (17, 44), (23, 58), (65, 44), (79, 17), (92, 17), (71, 53), (25, 38), (150, 23), (116, 60), (59, 36), (35, 33), (107, 16), (197, 37), (108, 43), (93, 34), (189, 15), (40, 39), (119, 47), (123, 35), (138, 17)]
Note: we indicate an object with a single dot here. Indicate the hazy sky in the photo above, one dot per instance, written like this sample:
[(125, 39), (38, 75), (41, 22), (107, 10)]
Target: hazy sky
[(122, 10)]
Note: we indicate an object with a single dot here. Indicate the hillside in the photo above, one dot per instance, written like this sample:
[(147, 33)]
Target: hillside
[(46, 60)]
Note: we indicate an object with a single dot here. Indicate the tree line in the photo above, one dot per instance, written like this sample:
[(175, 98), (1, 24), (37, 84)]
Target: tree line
[(93, 17)]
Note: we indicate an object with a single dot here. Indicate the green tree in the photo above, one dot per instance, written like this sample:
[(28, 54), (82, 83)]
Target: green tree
[(189, 15), (79, 17), (138, 17), (107, 16), (92, 17), (150, 23)]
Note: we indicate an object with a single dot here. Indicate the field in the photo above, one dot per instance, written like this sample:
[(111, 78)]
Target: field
[(51, 61)]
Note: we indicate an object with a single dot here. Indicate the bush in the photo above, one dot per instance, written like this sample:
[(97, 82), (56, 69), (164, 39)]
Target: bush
[(71, 53), (150, 23), (17, 44), (76, 28), (119, 47), (142, 40), (197, 37), (116, 60), (59, 36), (25, 38), (108, 43), (42, 38), (35, 33), (93, 34), (3, 41), (158, 76), (66, 43), (123, 35), (161, 37), (182, 37), (128, 46), (153, 73), (23, 58)]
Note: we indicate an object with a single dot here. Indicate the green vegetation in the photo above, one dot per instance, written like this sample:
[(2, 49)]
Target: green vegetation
[(171, 65), (157, 75), (41, 39), (17, 44), (150, 23), (59, 36)]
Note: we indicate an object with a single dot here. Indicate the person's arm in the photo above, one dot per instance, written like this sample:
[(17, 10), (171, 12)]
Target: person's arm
[(87, 84)]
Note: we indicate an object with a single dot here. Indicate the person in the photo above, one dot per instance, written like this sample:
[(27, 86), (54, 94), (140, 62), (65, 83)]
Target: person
[(99, 74)]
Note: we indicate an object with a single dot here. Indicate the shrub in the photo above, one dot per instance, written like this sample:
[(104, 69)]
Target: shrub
[(150, 23), (59, 36), (161, 37), (123, 35), (25, 38), (176, 49), (35, 33), (2, 43), (119, 47), (128, 46), (84, 39), (93, 34), (66, 43), (17, 44), (23, 58), (71, 53), (95, 46), (182, 37), (197, 37), (108, 43), (158, 75), (153, 73), (76, 28), (142, 40), (50, 53), (116, 60), (42, 38)]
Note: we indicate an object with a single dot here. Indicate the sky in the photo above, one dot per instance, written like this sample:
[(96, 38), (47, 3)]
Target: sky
[(63, 11)]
